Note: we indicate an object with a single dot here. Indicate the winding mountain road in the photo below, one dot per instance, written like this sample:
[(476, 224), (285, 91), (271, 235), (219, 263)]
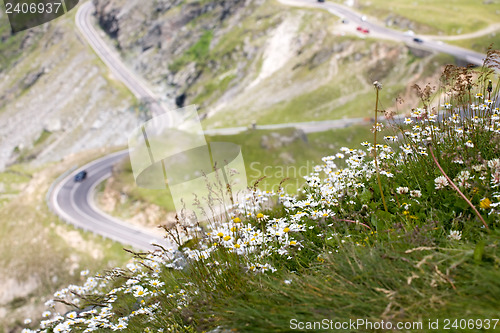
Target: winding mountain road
[(74, 202), (111, 58)]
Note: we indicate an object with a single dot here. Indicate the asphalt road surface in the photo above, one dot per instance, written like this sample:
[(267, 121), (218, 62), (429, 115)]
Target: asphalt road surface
[(74, 203), (111, 58), (379, 31)]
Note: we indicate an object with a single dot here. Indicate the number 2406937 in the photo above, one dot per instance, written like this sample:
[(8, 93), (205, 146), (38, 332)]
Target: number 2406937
[(33, 8), (463, 324)]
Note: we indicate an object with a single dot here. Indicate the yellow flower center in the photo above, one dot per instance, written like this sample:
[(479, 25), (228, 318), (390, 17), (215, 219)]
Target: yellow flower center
[(485, 203)]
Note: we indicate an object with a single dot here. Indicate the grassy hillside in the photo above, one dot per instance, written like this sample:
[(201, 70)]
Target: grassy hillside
[(264, 153), (307, 68), (400, 234), (480, 44), (12, 45)]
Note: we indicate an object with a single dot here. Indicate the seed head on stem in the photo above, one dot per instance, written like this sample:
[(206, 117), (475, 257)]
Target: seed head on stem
[(378, 86)]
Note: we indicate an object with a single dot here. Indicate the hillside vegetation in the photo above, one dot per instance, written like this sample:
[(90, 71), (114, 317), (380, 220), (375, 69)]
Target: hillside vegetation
[(399, 230)]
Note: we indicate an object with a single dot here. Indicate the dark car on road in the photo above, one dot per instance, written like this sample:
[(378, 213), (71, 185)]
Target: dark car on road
[(321, 0), (80, 177), (418, 40)]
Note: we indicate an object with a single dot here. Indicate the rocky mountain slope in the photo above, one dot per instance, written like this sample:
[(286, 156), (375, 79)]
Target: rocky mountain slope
[(241, 61), (56, 97)]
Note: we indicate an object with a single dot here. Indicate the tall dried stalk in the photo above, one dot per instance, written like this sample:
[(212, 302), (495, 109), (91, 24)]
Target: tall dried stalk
[(378, 86)]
